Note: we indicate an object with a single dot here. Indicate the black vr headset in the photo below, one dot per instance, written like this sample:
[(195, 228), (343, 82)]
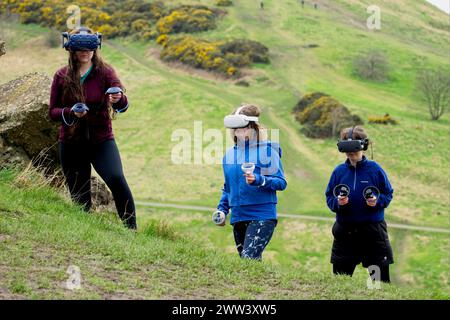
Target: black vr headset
[(350, 145), (81, 41)]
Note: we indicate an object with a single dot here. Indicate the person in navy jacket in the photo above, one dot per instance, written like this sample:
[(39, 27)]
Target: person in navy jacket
[(251, 196), (358, 192)]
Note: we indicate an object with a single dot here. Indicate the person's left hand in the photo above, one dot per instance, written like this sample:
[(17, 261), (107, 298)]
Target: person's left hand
[(371, 202), (114, 98), (249, 178)]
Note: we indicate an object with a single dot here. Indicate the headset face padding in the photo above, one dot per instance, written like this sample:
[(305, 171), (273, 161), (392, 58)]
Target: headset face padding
[(235, 122)]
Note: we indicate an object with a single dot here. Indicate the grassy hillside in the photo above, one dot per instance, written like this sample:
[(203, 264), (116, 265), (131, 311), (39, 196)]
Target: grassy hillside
[(166, 98), (421, 258), (169, 97), (42, 234)]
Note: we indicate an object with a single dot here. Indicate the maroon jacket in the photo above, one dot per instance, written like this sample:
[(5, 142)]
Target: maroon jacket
[(95, 126)]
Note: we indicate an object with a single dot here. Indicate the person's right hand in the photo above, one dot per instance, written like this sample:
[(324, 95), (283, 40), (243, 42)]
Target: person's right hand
[(80, 114), (342, 200), (222, 224)]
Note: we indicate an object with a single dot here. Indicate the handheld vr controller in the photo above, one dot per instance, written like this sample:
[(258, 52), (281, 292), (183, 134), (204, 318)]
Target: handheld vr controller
[(352, 145), (371, 192), (341, 190), (84, 40), (248, 167), (114, 90), (80, 107), (218, 217)]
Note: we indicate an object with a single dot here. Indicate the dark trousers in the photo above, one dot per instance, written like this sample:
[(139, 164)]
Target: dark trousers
[(348, 269), (76, 160), (252, 237), (366, 242)]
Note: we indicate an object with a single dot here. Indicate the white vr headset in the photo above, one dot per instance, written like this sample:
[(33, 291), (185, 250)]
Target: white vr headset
[(238, 120)]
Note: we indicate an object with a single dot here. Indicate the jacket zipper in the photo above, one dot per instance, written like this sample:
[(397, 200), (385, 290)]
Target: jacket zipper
[(354, 181)]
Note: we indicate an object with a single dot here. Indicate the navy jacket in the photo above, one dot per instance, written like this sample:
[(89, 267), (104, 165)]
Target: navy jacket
[(366, 174), (269, 177)]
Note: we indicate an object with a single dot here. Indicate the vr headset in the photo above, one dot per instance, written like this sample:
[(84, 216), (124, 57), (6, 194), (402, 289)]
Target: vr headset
[(81, 41), (351, 145), (237, 120)]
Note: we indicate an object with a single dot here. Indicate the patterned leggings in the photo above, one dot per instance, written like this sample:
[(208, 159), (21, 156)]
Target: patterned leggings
[(252, 237)]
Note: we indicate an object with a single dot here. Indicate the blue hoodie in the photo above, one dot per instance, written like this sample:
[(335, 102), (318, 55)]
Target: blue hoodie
[(366, 174), (256, 201)]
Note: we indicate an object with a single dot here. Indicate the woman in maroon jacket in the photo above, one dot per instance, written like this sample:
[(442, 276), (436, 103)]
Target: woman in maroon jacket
[(86, 137)]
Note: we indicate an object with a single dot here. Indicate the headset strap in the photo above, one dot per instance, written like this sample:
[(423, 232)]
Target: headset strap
[(248, 118), (238, 110), (350, 134)]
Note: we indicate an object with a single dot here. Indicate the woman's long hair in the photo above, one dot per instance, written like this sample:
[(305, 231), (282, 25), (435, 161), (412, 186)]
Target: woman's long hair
[(73, 89)]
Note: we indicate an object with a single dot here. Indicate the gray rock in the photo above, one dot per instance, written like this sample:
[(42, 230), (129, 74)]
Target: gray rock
[(24, 123), (102, 198), (27, 134)]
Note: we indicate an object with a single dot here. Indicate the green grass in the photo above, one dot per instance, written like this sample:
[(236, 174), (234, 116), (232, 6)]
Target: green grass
[(305, 246), (165, 98), (43, 234)]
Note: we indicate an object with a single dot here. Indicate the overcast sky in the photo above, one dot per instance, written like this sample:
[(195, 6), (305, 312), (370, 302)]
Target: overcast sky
[(441, 4)]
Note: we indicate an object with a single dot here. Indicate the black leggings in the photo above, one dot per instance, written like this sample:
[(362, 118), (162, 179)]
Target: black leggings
[(348, 269), (76, 160)]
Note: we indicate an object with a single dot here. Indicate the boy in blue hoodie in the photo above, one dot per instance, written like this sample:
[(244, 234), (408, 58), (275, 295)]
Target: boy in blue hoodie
[(251, 195), (358, 192)]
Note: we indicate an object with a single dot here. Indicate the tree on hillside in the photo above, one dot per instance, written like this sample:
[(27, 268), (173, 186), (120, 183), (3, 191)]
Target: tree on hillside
[(372, 66), (434, 86)]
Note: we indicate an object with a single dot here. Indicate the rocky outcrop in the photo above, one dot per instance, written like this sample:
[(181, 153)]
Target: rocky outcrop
[(25, 131), (27, 134)]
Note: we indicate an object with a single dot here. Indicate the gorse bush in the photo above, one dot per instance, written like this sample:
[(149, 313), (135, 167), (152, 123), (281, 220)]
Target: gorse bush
[(324, 117), (386, 119), (112, 18), (223, 57), (197, 53), (306, 100), (188, 19), (118, 18), (151, 21)]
